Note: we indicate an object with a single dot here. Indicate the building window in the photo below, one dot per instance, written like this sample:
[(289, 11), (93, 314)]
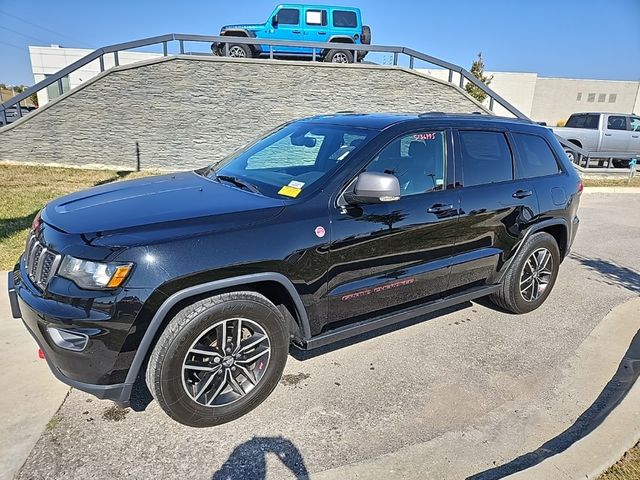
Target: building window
[(591, 98), (52, 90), (579, 97), (602, 97), (613, 97)]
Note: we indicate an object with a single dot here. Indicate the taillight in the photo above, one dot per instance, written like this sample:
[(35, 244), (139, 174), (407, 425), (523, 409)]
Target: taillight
[(580, 186)]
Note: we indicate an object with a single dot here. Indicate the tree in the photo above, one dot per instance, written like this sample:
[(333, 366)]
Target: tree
[(477, 70), (34, 99)]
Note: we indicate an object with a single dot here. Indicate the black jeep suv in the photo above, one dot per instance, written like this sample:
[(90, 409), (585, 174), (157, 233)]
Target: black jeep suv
[(326, 228)]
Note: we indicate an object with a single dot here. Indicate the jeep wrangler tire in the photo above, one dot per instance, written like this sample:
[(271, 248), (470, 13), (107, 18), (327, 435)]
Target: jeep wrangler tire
[(339, 56)]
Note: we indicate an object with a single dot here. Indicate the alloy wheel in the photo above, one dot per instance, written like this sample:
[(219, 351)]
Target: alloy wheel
[(226, 362), (340, 57), (237, 52), (536, 275)]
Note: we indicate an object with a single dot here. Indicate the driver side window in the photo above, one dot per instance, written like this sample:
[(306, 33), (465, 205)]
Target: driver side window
[(416, 159)]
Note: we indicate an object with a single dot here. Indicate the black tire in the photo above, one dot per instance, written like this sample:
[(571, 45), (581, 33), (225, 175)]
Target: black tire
[(238, 50), (168, 382), (510, 297), (339, 56), (620, 163)]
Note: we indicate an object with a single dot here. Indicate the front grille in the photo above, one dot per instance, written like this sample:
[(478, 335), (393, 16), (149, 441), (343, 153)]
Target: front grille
[(40, 262)]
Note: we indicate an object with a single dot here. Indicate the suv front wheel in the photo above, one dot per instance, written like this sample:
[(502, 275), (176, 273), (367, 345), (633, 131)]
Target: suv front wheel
[(531, 276), (218, 358)]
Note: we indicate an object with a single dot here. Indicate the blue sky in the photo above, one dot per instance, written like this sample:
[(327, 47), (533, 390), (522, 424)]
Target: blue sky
[(563, 38)]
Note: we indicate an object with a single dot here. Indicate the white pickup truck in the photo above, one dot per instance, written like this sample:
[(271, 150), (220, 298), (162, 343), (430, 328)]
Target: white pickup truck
[(603, 132)]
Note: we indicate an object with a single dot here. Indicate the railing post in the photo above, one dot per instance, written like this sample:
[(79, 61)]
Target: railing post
[(116, 59), (491, 103), (3, 116), (411, 62), (226, 49), (102, 63), (181, 47), (313, 54), (271, 52), (18, 110), (395, 58), (461, 80), (450, 76), (164, 49), (60, 90)]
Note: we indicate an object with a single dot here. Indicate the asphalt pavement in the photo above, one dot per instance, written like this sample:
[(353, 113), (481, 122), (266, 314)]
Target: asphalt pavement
[(450, 396)]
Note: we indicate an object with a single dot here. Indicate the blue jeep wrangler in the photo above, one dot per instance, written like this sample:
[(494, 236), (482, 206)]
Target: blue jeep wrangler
[(310, 23)]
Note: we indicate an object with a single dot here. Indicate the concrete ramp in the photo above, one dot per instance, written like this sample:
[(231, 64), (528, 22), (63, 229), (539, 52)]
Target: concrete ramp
[(186, 111)]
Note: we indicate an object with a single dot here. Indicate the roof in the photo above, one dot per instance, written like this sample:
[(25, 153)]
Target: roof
[(380, 121), (318, 6)]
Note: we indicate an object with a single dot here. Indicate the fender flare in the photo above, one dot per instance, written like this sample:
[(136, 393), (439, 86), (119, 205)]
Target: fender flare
[(194, 290), (341, 37), (246, 33), (536, 227)]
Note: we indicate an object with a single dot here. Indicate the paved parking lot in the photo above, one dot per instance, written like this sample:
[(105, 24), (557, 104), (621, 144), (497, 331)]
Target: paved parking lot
[(450, 397)]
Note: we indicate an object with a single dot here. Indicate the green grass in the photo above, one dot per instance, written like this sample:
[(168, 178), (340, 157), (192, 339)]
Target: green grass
[(26, 189), (612, 182), (627, 468)]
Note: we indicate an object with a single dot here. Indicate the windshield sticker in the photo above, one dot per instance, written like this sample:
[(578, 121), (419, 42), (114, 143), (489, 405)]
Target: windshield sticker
[(425, 136), (296, 184), (289, 191)]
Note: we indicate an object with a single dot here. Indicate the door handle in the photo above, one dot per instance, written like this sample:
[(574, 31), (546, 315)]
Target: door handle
[(322, 33), (635, 136), (440, 208), (607, 134), (296, 31), (522, 194)]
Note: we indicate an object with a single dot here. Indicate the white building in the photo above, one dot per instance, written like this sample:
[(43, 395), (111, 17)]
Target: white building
[(544, 99)]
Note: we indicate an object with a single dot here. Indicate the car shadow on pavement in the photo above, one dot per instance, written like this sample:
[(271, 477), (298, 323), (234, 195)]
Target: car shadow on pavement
[(612, 273), (248, 461), (302, 355)]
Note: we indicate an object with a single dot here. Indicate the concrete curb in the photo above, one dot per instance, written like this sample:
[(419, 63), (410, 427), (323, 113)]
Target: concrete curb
[(593, 454), (611, 189)]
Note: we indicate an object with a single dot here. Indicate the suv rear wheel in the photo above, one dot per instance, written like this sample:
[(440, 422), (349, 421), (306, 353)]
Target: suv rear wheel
[(531, 276), (339, 56), (218, 358)]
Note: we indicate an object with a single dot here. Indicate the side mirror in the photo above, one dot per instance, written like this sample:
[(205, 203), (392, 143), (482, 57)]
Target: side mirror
[(274, 21), (374, 187)]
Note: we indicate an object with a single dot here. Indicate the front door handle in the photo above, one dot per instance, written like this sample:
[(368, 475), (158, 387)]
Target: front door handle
[(607, 134), (522, 194), (440, 208), (296, 31), (322, 33)]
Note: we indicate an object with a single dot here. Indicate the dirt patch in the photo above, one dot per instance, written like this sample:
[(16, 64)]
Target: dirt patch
[(115, 413), (294, 380)]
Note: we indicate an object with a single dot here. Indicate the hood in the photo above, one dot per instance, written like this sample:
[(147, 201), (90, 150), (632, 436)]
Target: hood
[(243, 26), (154, 201)]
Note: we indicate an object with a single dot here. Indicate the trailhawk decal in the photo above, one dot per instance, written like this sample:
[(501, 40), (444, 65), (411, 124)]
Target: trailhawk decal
[(378, 289)]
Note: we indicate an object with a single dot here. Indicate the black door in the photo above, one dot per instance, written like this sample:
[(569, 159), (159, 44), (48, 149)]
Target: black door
[(396, 253), (495, 207)]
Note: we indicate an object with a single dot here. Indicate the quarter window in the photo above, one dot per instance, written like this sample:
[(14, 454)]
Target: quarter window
[(634, 124), (536, 157), (417, 160), (289, 16), (617, 122), (486, 157), (343, 18)]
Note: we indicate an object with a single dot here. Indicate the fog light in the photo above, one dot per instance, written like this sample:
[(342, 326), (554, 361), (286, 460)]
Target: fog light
[(67, 339)]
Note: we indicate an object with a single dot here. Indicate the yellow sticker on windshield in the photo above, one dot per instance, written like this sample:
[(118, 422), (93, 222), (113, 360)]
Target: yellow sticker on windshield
[(289, 191)]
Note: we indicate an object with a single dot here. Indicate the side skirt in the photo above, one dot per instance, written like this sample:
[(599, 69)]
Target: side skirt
[(379, 322)]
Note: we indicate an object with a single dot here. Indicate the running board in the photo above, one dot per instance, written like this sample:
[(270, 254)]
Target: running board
[(384, 321)]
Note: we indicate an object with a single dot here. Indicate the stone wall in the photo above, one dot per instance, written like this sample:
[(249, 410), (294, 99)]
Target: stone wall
[(185, 112)]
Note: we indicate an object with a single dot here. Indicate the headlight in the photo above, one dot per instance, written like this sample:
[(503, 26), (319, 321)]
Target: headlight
[(94, 275)]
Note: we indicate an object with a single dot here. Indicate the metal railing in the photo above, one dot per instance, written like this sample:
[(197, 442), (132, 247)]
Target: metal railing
[(317, 51)]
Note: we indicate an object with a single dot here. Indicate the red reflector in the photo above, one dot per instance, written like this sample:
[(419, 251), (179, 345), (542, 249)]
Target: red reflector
[(40, 353), (580, 186)]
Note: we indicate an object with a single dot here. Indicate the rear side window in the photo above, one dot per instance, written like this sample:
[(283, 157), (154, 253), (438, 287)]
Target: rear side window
[(536, 157), (617, 122), (316, 17), (289, 16), (486, 157), (342, 18), (583, 121), (634, 124)]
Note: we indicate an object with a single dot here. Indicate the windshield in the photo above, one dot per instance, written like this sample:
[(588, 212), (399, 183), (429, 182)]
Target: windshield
[(291, 159)]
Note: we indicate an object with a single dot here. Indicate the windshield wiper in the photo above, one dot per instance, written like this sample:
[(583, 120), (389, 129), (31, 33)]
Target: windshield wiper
[(237, 181)]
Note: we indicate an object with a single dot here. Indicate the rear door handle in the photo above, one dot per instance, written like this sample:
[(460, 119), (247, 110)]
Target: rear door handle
[(440, 208), (607, 134), (322, 33), (296, 31), (522, 194)]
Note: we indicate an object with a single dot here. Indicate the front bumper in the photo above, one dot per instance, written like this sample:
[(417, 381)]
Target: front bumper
[(63, 363)]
